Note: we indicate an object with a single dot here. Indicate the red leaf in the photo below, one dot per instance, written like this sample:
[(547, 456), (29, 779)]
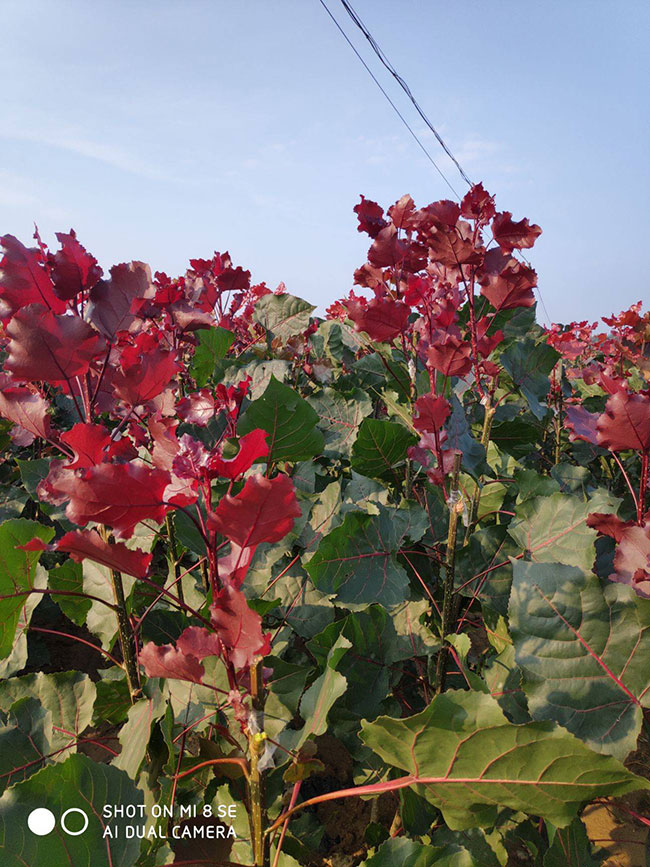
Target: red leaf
[(478, 204), (447, 247), (234, 566), (443, 214), (510, 235), (89, 443), (239, 627), (188, 318), (88, 544), (450, 356), (199, 642), (196, 408), (402, 213), (387, 249), (49, 347), (73, 269), (165, 442), (432, 412), (168, 661), (191, 462), (110, 307), (263, 511), (118, 495), (608, 525), (251, 447), (370, 216), (24, 407), (625, 424), (146, 370), (632, 559), (505, 282), (24, 279), (382, 318), (581, 424)]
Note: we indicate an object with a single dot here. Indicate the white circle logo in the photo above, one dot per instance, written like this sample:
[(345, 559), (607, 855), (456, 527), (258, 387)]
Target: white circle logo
[(41, 821), (67, 813)]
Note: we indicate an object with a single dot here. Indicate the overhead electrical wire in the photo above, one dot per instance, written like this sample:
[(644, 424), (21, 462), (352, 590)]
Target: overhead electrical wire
[(394, 107), (407, 90)]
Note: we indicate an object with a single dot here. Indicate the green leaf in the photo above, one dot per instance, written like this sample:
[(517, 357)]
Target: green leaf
[(516, 437), (69, 577), (381, 447), (68, 695), (80, 784), (214, 343), (18, 572), (571, 847), (288, 419), (317, 701), (459, 436), (529, 364), (357, 561), (584, 652), (503, 679), (340, 417), (483, 567), (284, 692), (407, 853), (284, 315), (25, 736), (32, 472), (472, 762), (136, 732), (554, 530)]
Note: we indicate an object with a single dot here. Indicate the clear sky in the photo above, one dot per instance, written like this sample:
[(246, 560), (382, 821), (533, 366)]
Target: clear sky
[(165, 130)]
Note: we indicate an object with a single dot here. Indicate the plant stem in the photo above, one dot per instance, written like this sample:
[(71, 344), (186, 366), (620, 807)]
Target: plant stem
[(124, 629), (173, 555), (256, 744), (642, 488), (455, 509), (124, 632), (476, 498), (558, 420)]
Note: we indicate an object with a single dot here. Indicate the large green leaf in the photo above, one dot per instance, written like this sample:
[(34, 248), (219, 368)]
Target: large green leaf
[(553, 529), (317, 701), (571, 847), (288, 419), (284, 315), (18, 572), (407, 853), (79, 784), (529, 364), (584, 653), (214, 343), (25, 737), (380, 447), (357, 561), (68, 695), (136, 731), (340, 417), (69, 578), (470, 762)]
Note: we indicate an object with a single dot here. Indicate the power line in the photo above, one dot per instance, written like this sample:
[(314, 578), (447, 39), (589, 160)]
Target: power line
[(394, 107), (407, 90)]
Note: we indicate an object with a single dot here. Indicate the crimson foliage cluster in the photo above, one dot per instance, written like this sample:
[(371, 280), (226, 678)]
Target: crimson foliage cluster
[(381, 580)]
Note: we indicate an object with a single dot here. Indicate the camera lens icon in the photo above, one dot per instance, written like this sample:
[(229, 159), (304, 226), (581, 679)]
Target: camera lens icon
[(42, 821)]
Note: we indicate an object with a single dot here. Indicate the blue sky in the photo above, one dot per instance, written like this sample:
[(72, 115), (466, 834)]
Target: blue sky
[(165, 130)]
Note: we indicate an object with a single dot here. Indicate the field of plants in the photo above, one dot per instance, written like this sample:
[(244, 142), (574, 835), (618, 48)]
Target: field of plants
[(283, 590)]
